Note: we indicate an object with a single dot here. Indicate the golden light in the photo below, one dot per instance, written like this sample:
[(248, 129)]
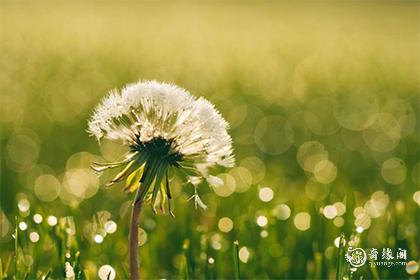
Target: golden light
[(225, 224), (302, 221), (266, 194), (244, 254)]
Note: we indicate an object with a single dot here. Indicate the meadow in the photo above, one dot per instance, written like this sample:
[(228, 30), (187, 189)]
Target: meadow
[(323, 104)]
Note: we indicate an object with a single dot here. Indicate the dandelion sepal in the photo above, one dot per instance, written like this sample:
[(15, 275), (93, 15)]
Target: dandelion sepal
[(131, 167)]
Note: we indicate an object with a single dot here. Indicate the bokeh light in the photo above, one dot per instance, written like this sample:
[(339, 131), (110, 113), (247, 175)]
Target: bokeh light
[(22, 150), (356, 111), (262, 221), (38, 218), (281, 212), (325, 171), (394, 171), (330, 212), (316, 191), (47, 187), (52, 220), (225, 224), (243, 178), (34, 236), (266, 194), (257, 167), (142, 237), (110, 227), (310, 154), (338, 222), (384, 135), (24, 205), (23, 226), (244, 254), (416, 197), (302, 221), (227, 187), (412, 267), (98, 238), (106, 272)]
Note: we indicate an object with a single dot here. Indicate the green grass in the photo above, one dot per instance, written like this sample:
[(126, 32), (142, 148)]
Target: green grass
[(342, 74)]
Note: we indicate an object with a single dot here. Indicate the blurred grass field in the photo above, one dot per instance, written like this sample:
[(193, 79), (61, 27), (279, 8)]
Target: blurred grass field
[(323, 102)]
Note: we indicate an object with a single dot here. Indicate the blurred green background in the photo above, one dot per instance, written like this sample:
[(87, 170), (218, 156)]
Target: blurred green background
[(323, 102)]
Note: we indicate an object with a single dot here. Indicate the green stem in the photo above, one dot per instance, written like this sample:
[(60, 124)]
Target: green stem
[(374, 271), (236, 259), (340, 259), (185, 248), (16, 259)]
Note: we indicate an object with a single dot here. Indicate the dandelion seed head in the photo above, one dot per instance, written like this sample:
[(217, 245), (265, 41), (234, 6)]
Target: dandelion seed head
[(164, 127), (151, 110)]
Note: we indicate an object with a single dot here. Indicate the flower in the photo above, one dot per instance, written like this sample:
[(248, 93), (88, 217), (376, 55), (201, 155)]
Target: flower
[(167, 130)]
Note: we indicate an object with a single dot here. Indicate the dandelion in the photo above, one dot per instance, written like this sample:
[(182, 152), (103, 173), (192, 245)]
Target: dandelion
[(168, 132)]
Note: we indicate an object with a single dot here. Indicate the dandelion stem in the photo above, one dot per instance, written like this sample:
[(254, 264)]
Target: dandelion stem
[(134, 237)]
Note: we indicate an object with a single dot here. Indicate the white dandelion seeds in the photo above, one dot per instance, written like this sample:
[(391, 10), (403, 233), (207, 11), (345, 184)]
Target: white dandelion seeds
[(166, 130), (165, 127)]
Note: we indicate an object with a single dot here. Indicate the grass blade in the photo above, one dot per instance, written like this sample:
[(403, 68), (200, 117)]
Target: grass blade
[(185, 248), (340, 259), (47, 275), (374, 271), (236, 259), (16, 259), (6, 269)]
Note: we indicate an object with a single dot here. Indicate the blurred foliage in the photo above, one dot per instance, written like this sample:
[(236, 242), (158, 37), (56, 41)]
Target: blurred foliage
[(323, 102)]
